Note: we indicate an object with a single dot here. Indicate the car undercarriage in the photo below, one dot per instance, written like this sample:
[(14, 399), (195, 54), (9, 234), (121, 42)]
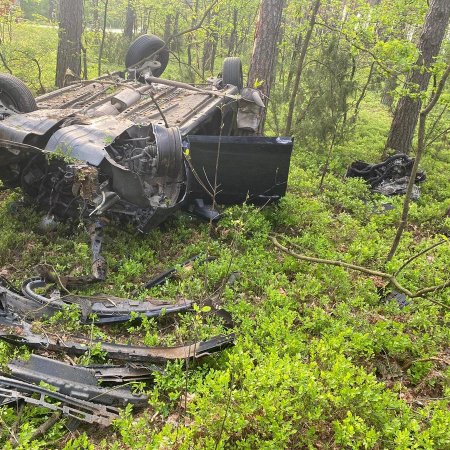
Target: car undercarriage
[(137, 147)]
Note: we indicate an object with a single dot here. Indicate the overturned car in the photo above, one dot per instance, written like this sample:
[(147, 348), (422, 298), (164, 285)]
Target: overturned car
[(137, 147)]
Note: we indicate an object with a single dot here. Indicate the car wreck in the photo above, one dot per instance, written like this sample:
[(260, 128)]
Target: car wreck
[(132, 146), (126, 147)]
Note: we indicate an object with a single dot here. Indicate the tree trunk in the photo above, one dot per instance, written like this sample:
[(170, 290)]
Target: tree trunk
[(129, 21), (190, 39), (407, 111), (262, 66), (292, 66), (387, 97), (95, 16), (176, 42), (51, 9), (69, 44), (301, 60), (168, 28), (102, 43), (233, 35), (210, 46), (420, 149)]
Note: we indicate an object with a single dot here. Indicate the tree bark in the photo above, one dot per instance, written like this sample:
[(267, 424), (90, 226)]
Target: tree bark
[(129, 21), (407, 111), (69, 44), (265, 49)]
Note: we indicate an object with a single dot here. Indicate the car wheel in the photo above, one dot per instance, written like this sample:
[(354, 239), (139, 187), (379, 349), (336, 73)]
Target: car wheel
[(143, 47), (232, 72), (15, 95)]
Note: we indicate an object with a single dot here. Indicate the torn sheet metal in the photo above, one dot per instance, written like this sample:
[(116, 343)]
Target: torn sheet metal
[(87, 139), (74, 381), (390, 177), (31, 127), (17, 332), (16, 390)]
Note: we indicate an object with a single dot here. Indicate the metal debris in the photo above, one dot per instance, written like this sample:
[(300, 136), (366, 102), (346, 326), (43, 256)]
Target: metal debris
[(103, 308), (18, 332), (390, 177), (12, 390)]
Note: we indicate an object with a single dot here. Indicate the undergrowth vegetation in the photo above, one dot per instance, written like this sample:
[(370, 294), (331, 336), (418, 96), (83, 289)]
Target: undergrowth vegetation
[(322, 359)]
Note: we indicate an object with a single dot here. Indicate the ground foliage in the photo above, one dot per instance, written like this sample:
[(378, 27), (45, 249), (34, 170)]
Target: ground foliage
[(321, 360)]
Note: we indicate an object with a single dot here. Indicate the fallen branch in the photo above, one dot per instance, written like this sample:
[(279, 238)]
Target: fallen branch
[(46, 425), (429, 359), (5, 64), (391, 279), (189, 87)]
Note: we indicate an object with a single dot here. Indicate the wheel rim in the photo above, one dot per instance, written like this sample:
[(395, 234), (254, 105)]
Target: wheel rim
[(8, 101)]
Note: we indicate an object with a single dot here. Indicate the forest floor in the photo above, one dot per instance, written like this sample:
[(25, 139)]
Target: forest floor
[(321, 361)]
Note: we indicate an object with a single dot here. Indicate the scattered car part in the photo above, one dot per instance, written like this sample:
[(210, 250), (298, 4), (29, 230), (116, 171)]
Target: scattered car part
[(242, 168), (399, 297), (15, 390), (98, 262), (17, 332), (102, 308), (73, 381), (390, 177), (99, 267), (250, 110), (170, 273)]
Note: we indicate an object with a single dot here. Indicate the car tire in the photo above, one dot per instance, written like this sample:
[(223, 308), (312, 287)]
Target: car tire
[(143, 47), (232, 72), (15, 94)]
